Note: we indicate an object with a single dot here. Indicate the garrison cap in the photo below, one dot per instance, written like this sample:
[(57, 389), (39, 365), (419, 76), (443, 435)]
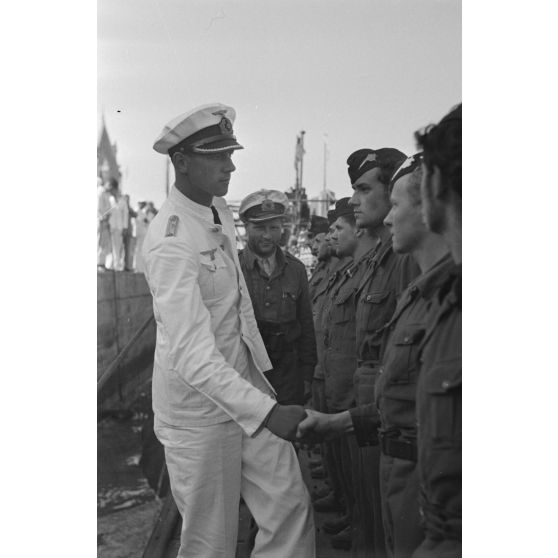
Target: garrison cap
[(331, 217), (342, 208), (205, 129), (410, 165), (263, 205), (363, 160), (318, 225)]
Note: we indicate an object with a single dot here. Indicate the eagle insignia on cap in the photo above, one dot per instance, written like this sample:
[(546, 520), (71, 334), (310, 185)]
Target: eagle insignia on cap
[(407, 163), (370, 157), (225, 125), (268, 205)]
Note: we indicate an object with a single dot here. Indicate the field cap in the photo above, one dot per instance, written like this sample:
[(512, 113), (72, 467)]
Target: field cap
[(409, 165), (205, 129), (318, 225), (342, 207), (363, 160), (263, 205)]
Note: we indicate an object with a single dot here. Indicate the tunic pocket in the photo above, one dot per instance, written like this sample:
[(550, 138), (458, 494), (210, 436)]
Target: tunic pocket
[(214, 278), (441, 402), (342, 310), (288, 305), (403, 364)]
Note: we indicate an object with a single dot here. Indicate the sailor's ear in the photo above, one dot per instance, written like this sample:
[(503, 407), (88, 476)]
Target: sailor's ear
[(179, 161)]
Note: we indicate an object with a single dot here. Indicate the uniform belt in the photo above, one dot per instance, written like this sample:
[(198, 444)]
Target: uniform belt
[(395, 447)]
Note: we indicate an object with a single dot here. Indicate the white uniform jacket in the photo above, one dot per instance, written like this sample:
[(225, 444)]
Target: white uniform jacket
[(210, 357)]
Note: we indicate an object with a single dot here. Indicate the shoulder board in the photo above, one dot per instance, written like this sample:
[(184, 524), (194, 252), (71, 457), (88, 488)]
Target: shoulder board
[(172, 225)]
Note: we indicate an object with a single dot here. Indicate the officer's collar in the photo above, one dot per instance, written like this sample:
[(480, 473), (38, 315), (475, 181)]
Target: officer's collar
[(177, 197)]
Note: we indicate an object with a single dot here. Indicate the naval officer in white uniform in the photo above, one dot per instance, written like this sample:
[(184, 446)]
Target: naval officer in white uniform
[(215, 413)]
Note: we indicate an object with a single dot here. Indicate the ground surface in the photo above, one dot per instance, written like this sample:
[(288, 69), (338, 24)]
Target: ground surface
[(127, 507)]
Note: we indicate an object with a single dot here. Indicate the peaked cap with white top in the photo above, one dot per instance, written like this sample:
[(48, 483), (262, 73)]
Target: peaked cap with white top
[(204, 129)]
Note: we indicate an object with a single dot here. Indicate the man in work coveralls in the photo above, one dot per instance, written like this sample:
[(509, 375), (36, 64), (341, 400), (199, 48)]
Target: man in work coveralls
[(278, 288), (396, 383), (327, 499), (318, 281), (386, 275), (439, 387), (215, 412)]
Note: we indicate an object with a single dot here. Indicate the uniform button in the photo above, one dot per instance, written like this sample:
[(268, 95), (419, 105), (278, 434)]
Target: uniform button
[(445, 384), (267, 304), (214, 229), (407, 339), (368, 297), (268, 288)]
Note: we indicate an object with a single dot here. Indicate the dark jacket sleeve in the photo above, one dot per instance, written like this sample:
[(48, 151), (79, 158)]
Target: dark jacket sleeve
[(366, 422), (307, 356)]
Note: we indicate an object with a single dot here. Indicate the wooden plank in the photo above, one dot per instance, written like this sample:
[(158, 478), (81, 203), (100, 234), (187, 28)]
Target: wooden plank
[(164, 530), (105, 286), (131, 284)]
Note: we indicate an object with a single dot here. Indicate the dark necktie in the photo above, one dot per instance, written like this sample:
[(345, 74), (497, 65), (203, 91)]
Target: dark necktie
[(216, 219)]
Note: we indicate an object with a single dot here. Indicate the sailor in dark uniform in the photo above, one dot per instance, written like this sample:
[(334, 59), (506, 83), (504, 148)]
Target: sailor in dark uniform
[(278, 287)]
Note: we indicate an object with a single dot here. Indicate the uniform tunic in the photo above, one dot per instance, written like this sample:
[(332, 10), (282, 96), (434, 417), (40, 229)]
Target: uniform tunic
[(210, 395), (284, 315), (387, 275), (320, 285), (439, 424), (324, 276), (338, 322), (395, 396), (339, 367)]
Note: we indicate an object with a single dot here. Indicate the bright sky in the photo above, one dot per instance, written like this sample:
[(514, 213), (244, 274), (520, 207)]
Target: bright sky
[(359, 73)]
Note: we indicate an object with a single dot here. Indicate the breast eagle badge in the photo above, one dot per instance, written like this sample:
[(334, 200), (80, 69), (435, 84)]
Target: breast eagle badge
[(210, 253)]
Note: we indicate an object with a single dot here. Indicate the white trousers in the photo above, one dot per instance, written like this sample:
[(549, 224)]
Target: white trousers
[(139, 264), (210, 467), (117, 260)]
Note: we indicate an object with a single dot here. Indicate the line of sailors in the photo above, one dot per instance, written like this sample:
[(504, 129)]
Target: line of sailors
[(373, 340)]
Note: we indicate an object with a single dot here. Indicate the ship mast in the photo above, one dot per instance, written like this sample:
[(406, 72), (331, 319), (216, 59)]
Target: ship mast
[(324, 193), (299, 163)]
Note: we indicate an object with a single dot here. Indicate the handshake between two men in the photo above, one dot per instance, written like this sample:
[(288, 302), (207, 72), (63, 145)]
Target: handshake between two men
[(295, 423)]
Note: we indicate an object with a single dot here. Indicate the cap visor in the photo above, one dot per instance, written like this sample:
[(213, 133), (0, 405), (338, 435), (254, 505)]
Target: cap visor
[(218, 146), (267, 218)]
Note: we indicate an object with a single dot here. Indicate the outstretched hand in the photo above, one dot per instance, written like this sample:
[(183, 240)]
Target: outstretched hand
[(283, 420), (318, 427)]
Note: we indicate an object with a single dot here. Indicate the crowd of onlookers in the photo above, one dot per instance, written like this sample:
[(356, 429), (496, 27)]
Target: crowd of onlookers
[(120, 228)]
